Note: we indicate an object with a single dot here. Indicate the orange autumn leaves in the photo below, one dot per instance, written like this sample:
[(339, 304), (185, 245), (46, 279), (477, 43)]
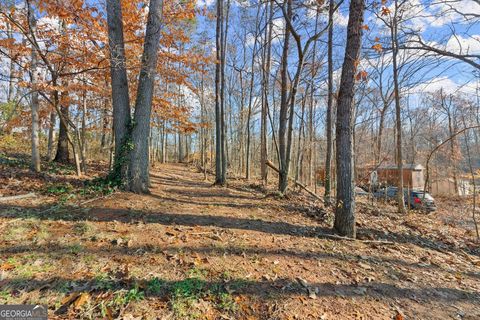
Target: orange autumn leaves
[(72, 43), (377, 46)]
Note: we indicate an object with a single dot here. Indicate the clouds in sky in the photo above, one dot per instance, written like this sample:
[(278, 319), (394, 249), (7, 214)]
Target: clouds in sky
[(201, 3), (448, 85)]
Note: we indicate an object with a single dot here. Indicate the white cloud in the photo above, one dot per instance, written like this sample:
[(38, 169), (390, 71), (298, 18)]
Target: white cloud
[(447, 85), (202, 3), (463, 45), (340, 19)]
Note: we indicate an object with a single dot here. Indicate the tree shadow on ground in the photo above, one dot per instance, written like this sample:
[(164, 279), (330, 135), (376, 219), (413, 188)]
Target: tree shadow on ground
[(225, 222), (210, 193), (259, 288), (54, 251), (177, 181), (164, 218), (418, 240), (199, 202)]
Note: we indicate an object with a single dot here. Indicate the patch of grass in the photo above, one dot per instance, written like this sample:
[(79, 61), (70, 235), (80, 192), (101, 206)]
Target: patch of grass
[(20, 229), (187, 294), (103, 282), (88, 258), (5, 296), (134, 294), (82, 228), (75, 248), (155, 286), (58, 188), (99, 186), (59, 168), (64, 286), (124, 297), (184, 294), (196, 272), (226, 302), (28, 270)]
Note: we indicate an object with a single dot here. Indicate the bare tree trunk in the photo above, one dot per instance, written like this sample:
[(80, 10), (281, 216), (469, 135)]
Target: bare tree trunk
[(203, 129), (11, 68), (380, 135), (181, 155), (103, 139), (119, 83), (301, 130), (62, 154), (164, 142), (329, 124), (400, 195), (345, 204), (224, 33), (311, 131), (287, 105), (35, 165), (219, 144), (282, 125), (139, 161), (83, 138), (265, 84), (51, 132), (250, 98), (452, 141)]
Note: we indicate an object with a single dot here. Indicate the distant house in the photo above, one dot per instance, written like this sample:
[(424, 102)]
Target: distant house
[(446, 187), (413, 175)]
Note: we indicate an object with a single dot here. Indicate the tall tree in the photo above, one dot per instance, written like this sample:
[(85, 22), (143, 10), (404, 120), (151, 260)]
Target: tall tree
[(139, 161), (267, 51), (34, 104), (398, 118), (119, 84), (134, 145), (219, 121), (345, 204), (289, 89), (329, 122)]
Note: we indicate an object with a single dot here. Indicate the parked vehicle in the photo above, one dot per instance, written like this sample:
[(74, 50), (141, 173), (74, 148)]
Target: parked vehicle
[(421, 200), (389, 193), (417, 199)]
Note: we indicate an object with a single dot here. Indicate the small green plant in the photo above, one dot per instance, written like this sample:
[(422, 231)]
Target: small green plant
[(155, 285), (197, 273), (226, 302), (5, 295), (103, 282), (58, 188), (124, 297), (75, 249), (184, 294), (81, 228), (134, 294), (99, 186)]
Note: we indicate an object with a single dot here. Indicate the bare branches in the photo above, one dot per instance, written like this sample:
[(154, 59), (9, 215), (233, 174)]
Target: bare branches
[(421, 45)]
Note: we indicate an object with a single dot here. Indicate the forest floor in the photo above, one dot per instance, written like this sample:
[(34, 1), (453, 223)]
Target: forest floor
[(192, 251)]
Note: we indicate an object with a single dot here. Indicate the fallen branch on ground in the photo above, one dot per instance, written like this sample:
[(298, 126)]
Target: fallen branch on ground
[(21, 196), (336, 237), (297, 183)]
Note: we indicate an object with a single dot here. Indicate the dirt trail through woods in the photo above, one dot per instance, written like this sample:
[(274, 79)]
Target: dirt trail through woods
[(252, 257)]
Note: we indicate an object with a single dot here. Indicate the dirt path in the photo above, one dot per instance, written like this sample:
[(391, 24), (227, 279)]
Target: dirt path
[(195, 251)]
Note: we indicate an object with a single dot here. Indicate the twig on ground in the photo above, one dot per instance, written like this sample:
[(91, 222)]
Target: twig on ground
[(18, 197), (337, 237)]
